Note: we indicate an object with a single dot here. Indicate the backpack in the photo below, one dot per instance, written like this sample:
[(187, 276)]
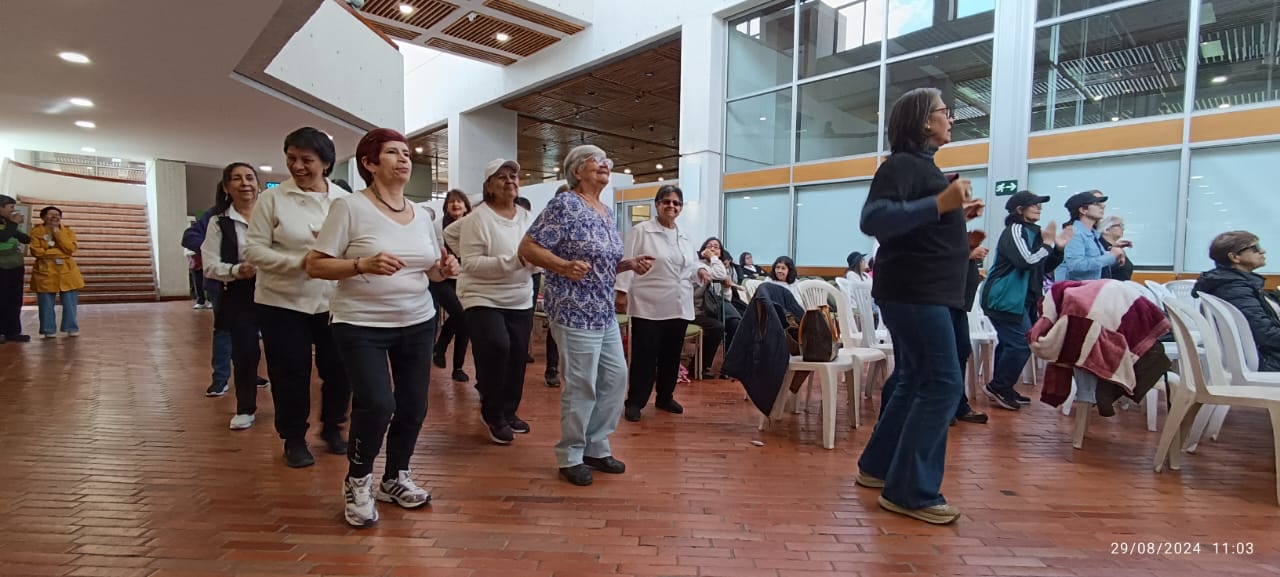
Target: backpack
[(819, 337)]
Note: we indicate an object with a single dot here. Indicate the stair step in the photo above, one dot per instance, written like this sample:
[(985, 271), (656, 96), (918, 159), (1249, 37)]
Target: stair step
[(99, 270), (105, 238), (97, 288), (63, 204)]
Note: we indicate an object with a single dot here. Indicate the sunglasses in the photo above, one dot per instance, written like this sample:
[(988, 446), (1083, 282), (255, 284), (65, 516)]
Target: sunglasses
[(670, 202), (1252, 247)]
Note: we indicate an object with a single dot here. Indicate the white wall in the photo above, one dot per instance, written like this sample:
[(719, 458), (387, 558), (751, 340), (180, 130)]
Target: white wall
[(18, 181), (166, 192), (476, 139)]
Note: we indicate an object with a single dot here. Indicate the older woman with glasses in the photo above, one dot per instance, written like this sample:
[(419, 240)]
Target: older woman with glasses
[(1236, 255), (660, 303), (576, 241)]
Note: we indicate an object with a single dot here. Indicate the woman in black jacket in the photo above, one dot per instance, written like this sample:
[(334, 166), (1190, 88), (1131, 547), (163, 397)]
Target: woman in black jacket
[(918, 216), (1237, 254)]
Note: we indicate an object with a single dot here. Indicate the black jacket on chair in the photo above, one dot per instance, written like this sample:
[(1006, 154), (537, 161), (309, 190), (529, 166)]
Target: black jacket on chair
[(760, 354), (1244, 291)]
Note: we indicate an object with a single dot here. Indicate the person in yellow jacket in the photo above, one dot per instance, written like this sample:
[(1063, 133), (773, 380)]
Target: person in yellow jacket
[(55, 272)]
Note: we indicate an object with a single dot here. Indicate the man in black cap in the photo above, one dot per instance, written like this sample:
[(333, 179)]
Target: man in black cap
[(1084, 257)]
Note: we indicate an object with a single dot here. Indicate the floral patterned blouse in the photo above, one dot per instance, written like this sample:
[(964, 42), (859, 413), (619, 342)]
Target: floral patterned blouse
[(572, 230)]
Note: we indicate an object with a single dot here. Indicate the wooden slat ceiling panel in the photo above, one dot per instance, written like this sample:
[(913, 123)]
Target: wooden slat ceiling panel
[(542, 106), (671, 93), (647, 71), (534, 16), (395, 31), (465, 50), (483, 30), (426, 13), (590, 91), (650, 108)]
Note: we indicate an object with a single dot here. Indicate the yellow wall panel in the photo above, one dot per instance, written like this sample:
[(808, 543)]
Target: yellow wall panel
[(1239, 124), (757, 178), (837, 170), (1111, 138), (962, 155)]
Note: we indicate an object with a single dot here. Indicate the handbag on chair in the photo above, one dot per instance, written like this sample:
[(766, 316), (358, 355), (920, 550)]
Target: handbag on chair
[(819, 337)]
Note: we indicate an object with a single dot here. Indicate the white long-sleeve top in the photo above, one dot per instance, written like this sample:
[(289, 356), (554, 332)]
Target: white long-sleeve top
[(211, 249), (666, 291), (492, 273), (281, 232)]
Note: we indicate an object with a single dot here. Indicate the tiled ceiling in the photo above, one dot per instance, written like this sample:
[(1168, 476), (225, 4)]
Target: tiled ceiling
[(432, 149), (494, 31), (630, 108)]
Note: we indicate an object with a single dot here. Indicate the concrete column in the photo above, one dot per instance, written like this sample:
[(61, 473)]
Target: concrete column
[(475, 138), (167, 212), (1014, 54), (702, 124)]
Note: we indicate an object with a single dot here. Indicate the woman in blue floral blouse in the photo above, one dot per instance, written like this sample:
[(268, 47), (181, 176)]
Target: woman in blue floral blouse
[(576, 241)]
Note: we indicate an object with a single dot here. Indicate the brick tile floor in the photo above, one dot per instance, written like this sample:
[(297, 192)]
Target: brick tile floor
[(116, 465)]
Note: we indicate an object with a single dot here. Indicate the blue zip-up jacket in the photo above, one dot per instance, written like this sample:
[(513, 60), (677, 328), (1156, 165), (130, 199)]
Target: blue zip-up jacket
[(1083, 257), (193, 237)]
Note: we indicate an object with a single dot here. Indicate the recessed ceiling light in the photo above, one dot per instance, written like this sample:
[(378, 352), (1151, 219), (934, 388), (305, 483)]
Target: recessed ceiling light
[(1115, 119), (1219, 79), (626, 171), (501, 37), (81, 102), (88, 149), (658, 166), (1097, 97), (85, 124), (406, 9), (418, 150), (265, 168), (89, 168), (764, 118), (746, 198), (115, 161), (557, 169), (74, 57), (1225, 105)]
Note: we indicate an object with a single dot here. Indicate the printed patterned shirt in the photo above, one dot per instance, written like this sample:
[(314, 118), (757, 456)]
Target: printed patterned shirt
[(572, 230)]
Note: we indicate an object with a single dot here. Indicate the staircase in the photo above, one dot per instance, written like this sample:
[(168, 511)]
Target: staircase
[(114, 253)]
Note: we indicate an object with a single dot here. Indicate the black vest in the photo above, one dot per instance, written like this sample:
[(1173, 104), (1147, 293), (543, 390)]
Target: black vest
[(237, 295)]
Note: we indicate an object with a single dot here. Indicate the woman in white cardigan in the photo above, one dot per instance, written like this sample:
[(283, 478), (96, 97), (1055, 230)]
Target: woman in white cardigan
[(495, 288), (660, 303), (293, 307)]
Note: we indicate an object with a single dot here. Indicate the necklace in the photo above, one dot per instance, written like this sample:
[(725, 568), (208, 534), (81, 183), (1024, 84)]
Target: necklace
[(404, 202)]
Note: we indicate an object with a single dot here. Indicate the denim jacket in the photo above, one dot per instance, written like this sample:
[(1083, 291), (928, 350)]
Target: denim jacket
[(1083, 257)]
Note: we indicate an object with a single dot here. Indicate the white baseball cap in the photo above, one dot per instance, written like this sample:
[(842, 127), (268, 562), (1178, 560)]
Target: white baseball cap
[(497, 164)]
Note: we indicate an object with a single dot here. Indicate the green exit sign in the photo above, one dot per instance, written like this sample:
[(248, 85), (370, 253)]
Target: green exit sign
[(1006, 187)]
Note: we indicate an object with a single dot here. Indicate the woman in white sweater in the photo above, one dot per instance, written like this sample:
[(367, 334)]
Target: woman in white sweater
[(660, 303), (293, 307), (495, 288)]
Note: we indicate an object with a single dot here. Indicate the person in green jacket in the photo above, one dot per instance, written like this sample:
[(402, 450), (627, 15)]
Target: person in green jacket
[(11, 271)]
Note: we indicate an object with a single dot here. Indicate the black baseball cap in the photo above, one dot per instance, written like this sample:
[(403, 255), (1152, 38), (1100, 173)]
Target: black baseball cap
[(1081, 199), (1024, 198)]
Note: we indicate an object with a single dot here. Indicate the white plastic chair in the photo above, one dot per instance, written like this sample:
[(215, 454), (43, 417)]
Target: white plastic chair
[(982, 339), (880, 339), (1180, 288), (1240, 355), (1206, 384), (1159, 292), (750, 285)]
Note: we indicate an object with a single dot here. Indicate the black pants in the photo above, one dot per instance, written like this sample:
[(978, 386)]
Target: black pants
[(288, 337), (454, 328), (11, 301), (714, 331), (655, 351), (379, 409), (501, 337), (197, 286), (245, 357)]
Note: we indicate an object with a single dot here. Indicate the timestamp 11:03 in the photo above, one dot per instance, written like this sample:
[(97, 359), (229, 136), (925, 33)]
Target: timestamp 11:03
[(1163, 548)]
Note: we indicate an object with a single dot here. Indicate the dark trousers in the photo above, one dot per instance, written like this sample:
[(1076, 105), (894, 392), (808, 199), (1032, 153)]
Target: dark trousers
[(1012, 350), (714, 331), (197, 286), (288, 337), (379, 409), (11, 301), (553, 350), (964, 348), (245, 356), (501, 338), (655, 352), (454, 328)]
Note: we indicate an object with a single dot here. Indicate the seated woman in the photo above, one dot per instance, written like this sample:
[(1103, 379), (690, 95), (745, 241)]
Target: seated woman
[(784, 273), (718, 321), (747, 267), (1236, 255), (858, 271)]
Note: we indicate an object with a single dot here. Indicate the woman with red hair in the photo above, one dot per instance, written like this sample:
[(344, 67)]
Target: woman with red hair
[(382, 250)]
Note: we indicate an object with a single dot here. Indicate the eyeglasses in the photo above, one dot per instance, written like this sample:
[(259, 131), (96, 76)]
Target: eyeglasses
[(1252, 247), (603, 161), (670, 202), (951, 114)]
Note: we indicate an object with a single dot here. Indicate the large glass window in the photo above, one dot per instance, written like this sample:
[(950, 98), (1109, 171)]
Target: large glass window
[(1124, 64), (761, 46), (916, 25), (827, 223), (1226, 193), (1141, 188), (839, 116), (839, 34), (1050, 8), (758, 222), (1237, 53), (757, 131), (964, 77)]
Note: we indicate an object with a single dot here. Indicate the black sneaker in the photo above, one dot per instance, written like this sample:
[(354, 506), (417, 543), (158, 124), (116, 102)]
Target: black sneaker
[(263, 383), (459, 376), (518, 425), (552, 377), (438, 360), (631, 413), (972, 417), (332, 437), (670, 406), (19, 338), (579, 474), (605, 464), (297, 455), (1004, 399), (528, 359), (217, 389), (1021, 399), (500, 433)]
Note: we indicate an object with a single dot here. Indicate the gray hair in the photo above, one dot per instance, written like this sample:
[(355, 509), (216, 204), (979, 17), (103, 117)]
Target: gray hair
[(1111, 221), (573, 161)]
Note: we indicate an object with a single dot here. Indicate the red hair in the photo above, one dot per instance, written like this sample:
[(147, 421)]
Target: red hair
[(370, 147)]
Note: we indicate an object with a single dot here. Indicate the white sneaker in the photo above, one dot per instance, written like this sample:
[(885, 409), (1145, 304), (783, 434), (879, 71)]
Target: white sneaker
[(358, 494), (402, 491), (239, 422), (197, 306), (44, 336), (73, 333)]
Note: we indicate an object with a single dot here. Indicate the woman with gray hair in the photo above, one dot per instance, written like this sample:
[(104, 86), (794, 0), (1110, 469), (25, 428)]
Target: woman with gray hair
[(576, 241), (1112, 229)]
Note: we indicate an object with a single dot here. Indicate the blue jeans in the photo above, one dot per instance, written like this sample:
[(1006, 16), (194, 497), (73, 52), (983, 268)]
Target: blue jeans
[(47, 321), (964, 348), (1012, 351), (595, 385), (908, 448), (221, 359)]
